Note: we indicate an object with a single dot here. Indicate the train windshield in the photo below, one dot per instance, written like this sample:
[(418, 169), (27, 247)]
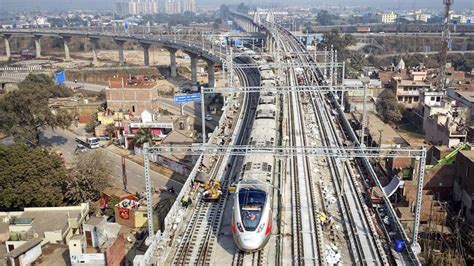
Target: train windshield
[(251, 203)]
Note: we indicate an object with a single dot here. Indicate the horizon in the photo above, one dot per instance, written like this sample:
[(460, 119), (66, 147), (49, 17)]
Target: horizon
[(66, 5)]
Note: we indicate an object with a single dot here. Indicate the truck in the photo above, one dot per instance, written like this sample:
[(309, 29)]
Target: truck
[(89, 142)]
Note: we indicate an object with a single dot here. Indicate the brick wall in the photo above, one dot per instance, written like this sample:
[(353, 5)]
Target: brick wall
[(115, 254), (135, 100)]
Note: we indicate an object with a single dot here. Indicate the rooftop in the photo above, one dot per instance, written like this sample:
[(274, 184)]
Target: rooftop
[(468, 95), (468, 154), (50, 220), (24, 248), (94, 220)]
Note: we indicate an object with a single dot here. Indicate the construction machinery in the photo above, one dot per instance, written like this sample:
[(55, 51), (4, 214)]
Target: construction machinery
[(212, 190)]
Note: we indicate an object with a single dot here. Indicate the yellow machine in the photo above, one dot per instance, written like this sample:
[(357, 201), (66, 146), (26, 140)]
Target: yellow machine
[(212, 190)]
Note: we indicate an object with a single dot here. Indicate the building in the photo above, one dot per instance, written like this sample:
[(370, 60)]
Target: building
[(388, 18), (81, 108), (52, 224), (408, 90), (137, 7), (464, 98), (131, 95), (25, 253), (100, 244), (445, 129), (180, 6), (420, 16), (354, 100), (463, 186)]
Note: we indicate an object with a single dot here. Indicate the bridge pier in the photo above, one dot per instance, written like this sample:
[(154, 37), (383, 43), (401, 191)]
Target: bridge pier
[(7, 45), (120, 50), (146, 53), (37, 45), (173, 62), (94, 45), (194, 60), (211, 79), (66, 40)]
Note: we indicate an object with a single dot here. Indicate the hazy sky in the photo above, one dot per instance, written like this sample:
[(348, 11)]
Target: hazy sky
[(108, 4)]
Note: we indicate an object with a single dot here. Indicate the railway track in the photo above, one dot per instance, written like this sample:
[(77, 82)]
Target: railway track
[(307, 233), (358, 227), (253, 259), (199, 238)]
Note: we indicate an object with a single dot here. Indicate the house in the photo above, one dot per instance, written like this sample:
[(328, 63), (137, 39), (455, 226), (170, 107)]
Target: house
[(463, 186), (131, 213), (445, 129), (354, 100), (100, 244), (51, 224), (24, 253), (26, 232), (464, 98), (408, 91), (134, 94)]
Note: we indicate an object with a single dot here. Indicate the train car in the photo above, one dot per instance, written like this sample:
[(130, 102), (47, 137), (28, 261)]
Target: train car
[(252, 211), (252, 215)]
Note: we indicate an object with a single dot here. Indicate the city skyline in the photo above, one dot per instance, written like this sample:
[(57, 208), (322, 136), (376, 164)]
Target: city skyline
[(60, 5)]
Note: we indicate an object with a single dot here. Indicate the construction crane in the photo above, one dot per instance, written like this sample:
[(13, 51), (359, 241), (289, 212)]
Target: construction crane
[(446, 45)]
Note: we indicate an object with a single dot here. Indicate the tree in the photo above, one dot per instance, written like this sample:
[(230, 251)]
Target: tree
[(25, 112), (89, 177), (388, 107), (45, 84), (338, 41), (224, 12), (110, 130), (357, 62), (143, 135), (324, 18), (30, 177), (242, 8), (90, 127), (110, 210)]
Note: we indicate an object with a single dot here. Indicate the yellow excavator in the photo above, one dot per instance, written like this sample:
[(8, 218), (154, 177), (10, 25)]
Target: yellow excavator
[(212, 190)]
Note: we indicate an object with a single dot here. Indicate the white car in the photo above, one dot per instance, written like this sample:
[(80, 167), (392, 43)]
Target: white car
[(208, 117)]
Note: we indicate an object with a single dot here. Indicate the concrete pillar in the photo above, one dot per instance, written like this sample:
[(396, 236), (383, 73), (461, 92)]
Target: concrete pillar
[(38, 45), (66, 40), (211, 80), (94, 45), (7, 45), (173, 62), (194, 60), (120, 50), (146, 53)]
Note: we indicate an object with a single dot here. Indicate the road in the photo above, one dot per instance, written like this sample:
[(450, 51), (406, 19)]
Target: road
[(85, 86), (135, 172)]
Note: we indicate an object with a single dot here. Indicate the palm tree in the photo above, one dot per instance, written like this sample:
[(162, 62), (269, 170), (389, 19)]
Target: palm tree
[(143, 135)]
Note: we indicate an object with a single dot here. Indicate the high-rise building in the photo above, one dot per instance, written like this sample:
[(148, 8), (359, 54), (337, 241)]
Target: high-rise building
[(180, 6), (137, 7), (388, 18)]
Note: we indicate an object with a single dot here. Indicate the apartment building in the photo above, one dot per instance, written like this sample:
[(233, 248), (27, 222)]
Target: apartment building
[(408, 90), (180, 6), (388, 18), (137, 7)]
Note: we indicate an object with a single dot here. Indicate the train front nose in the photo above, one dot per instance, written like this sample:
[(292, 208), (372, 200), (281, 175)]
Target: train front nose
[(249, 241)]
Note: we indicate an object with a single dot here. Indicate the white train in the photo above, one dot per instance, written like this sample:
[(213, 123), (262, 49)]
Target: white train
[(252, 212)]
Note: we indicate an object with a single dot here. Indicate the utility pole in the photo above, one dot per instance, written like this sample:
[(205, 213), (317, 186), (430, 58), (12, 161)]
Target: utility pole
[(149, 192), (124, 174), (365, 82)]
